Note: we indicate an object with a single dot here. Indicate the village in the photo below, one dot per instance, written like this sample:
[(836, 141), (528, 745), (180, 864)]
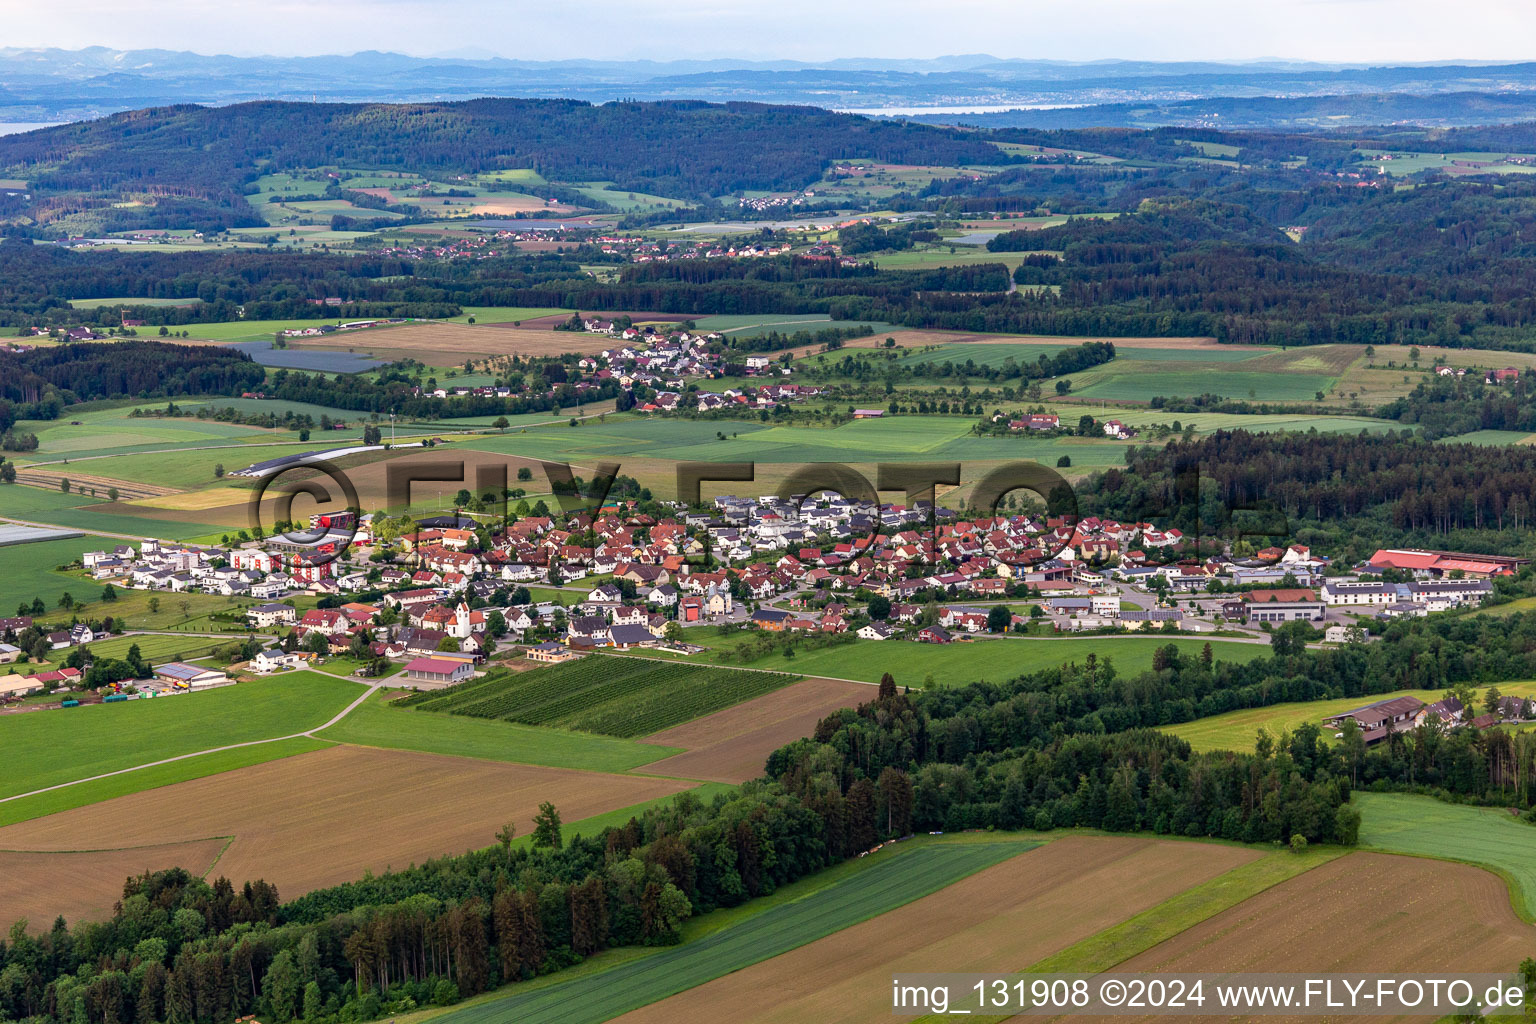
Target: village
[(431, 605)]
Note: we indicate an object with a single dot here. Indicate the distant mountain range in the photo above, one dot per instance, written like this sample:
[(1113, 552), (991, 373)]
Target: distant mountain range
[(49, 85)]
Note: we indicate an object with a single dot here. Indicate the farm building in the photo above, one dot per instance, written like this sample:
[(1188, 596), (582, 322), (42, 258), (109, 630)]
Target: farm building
[(442, 671), (189, 677), (1376, 720)]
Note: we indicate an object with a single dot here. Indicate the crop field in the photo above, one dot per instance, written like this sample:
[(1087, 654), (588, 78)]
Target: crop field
[(46, 748), (625, 200), (84, 885), (506, 314), (623, 697), (893, 879), (128, 300), (1236, 730), (896, 438), (111, 430), (1488, 438), (1489, 837), (84, 793), (984, 354), (1000, 919), (326, 817), (433, 342), (183, 469), (314, 360), (955, 664), (1362, 912), (753, 325), (378, 723), (1137, 381), (733, 745)]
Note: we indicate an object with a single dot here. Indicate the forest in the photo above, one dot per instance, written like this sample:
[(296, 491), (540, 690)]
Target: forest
[(40, 382), (1348, 494), (683, 149)]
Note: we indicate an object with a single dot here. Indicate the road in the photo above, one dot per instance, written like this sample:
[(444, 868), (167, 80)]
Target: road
[(372, 688)]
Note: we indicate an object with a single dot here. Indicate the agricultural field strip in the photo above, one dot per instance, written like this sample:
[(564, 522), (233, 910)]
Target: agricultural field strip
[(1486, 837), (1135, 935), (599, 695), (1021, 910), (904, 877), (307, 733)]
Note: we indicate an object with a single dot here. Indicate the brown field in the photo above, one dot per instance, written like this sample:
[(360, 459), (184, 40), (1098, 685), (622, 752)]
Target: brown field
[(127, 490), (226, 505), (732, 745), (84, 885), (438, 343), (327, 817), (1364, 912), (1001, 919)]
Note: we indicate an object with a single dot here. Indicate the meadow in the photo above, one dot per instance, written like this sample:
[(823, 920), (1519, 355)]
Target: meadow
[(377, 722), (47, 748), (955, 664), (863, 889), (1236, 730), (1489, 837), (897, 438), (29, 571)]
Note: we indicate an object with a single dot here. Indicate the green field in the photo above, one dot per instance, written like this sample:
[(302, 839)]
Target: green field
[(57, 800), (1489, 437), (128, 300), (1425, 827), (27, 571), (186, 469), (624, 697), (504, 314), (896, 438), (25, 502), (114, 430), (154, 648), (46, 748), (875, 886), (1236, 730), (1138, 381), (985, 355), (376, 724), (995, 660)]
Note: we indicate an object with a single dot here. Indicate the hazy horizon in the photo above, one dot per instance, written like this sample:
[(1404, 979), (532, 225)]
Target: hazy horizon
[(1327, 31)]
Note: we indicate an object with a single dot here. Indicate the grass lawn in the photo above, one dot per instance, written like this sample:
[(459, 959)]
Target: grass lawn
[(153, 648), (864, 889), (376, 724), (1236, 730), (150, 778), (958, 663), (1425, 827), (46, 748)]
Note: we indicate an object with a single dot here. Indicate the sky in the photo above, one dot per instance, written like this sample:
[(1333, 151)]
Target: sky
[(811, 30)]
